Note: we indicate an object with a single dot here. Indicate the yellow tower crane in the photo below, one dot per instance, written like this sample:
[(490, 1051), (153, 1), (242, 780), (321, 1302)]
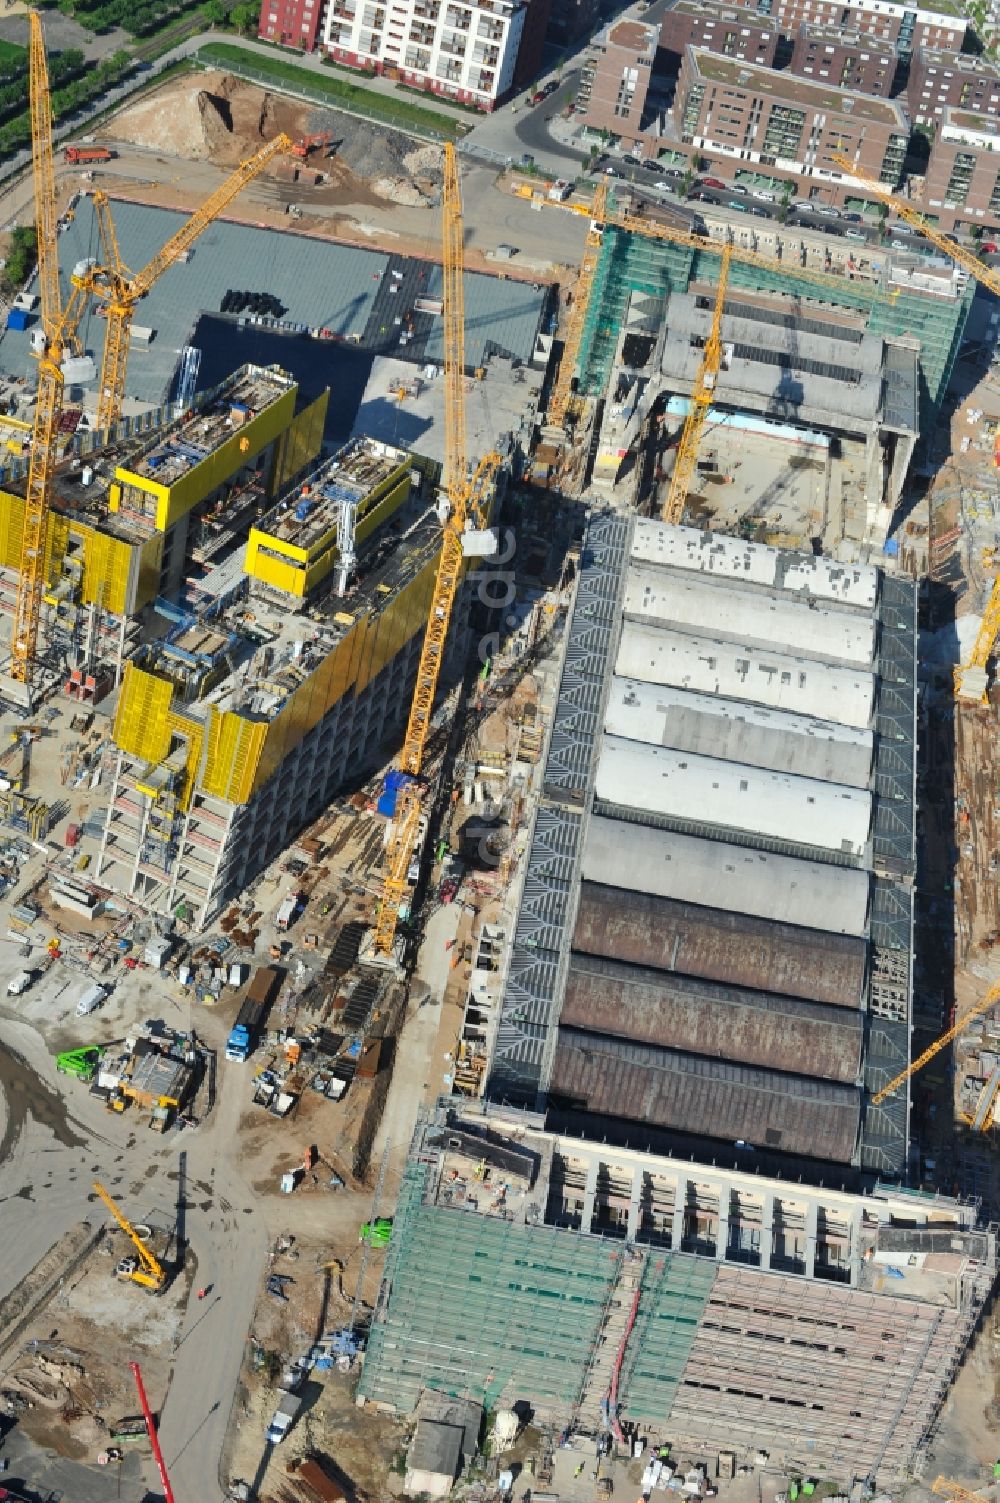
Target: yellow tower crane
[(122, 289), (468, 506), (945, 1488), (56, 342), (702, 397), (150, 1273), (984, 1004), (562, 403)]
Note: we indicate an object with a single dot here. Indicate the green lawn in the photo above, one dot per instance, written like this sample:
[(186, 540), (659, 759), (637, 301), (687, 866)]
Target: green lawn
[(10, 52), (336, 92)]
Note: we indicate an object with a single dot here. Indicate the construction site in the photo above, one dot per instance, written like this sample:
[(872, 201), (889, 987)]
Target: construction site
[(499, 855)]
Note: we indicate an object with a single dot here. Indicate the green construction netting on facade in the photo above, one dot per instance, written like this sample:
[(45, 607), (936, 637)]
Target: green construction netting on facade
[(674, 1292), (483, 1309), (630, 263)]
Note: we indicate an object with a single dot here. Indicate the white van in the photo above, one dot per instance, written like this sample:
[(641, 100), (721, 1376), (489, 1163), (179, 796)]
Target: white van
[(91, 999), (19, 983)]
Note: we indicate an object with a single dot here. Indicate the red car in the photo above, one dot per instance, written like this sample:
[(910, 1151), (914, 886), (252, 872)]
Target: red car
[(713, 182)]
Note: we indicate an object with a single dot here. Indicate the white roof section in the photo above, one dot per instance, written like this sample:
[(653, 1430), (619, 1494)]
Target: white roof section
[(729, 558), (697, 603), (750, 674), (663, 716), (732, 878), (733, 796)]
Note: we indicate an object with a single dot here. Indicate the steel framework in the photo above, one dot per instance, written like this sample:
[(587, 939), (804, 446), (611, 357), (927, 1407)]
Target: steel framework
[(702, 396), (562, 403), (984, 1004), (122, 289), (468, 505)]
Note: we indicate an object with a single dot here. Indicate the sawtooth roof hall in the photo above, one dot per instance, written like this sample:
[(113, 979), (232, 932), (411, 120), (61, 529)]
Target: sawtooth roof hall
[(714, 934)]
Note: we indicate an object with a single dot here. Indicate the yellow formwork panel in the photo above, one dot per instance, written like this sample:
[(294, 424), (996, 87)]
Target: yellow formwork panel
[(352, 665), (193, 733), (282, 573), (300, 443), (172, 502), (107, 570), (384, 509), (233, 752), (11, 529), (142, 721)]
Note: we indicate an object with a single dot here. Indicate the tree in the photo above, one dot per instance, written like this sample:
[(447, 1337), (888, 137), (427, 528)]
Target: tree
[(244, 18), (214, 12), (21, 257)]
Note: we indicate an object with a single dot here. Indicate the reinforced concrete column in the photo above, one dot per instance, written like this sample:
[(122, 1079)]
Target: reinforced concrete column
[(812, 1222), (589, 1195), (634, 1205), (722, 1235), (857, 1220), (767, 1231), (677, 1235)]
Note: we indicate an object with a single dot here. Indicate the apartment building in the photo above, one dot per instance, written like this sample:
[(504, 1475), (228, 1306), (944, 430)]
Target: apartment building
[(759, 115), (473, 51), (942, 80), (614, 79), (962, 183), (292, 23), (847, 59), (904, 26), (720, 29)]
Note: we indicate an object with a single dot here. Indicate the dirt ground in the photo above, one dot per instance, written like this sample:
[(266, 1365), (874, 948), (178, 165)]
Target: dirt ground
[(221, 119)]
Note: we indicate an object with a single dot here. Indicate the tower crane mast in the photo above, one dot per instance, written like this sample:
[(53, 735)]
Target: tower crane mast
[(561, 402), (468, 504), (122, 289), (58, 339), (702, 396)]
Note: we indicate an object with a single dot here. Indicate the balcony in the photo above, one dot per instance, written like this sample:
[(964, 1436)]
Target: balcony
[(454, 42), (427, 11), (458, 20), (449, 72), (490, 31), (422, 36), (419, 62), (488, 57)]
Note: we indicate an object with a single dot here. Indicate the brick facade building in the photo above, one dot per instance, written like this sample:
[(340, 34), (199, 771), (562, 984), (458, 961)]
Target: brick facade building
[(942, 80), (847, 59), (689, 23), (614, 80), (962, 183), (903, 26)]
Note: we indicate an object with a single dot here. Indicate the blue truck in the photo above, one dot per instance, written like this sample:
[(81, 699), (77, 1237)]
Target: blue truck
[(252, 1016)]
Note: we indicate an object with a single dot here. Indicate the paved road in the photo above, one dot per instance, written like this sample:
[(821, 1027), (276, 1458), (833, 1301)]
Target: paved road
[(55, 1149)]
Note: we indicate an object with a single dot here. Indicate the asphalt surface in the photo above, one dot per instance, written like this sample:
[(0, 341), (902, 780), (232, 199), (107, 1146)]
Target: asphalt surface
[(54, 1152)]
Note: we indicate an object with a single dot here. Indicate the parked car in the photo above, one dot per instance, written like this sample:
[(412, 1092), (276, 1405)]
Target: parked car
[(737, 203), (756, 209), (764, 195), (855, 235), (827, 211), (673, 172), (550, 87), (855, 218), (739, 188), (990, 247), (712, 182), (537, 97)]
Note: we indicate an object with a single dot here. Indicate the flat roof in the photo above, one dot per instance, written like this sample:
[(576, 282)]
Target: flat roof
[(186, 444), (717, 14), (720, 874), (960, 62), (843, 36), (754, 563), (689, 722), (795, 90), (775, 619), (309, 512), (641, 929), (780, 680), (680, 785)]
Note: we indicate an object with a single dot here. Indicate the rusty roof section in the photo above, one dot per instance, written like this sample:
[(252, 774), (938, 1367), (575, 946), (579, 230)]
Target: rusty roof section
[(634, 36), (646, 930), (717, 1022), (790, 1114)]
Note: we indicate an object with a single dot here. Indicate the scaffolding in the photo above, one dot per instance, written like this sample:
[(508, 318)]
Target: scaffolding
[(631, 263)]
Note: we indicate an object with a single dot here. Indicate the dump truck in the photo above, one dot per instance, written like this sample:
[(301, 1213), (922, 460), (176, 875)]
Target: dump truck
[(87, 154), (261, 992), (284, 1418)]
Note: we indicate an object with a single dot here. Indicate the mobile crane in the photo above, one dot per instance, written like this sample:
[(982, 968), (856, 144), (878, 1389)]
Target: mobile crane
[(57, 342), (149, 1272), (468, 502), (154, 1439), (121, 290)]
